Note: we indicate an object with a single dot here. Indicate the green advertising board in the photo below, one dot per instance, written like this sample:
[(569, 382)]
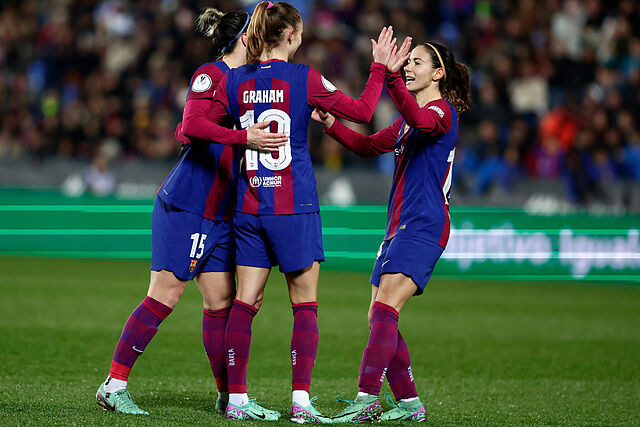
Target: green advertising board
[(485, 243)]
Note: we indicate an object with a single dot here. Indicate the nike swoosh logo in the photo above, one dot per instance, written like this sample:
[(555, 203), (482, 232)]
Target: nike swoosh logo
[(385, 262), (261, 416), (137, 349)]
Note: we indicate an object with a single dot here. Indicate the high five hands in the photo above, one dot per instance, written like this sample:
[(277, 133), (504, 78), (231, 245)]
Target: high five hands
[(386, 52)]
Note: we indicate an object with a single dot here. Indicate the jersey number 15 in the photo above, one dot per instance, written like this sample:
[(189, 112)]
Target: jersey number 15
[(284, 152)]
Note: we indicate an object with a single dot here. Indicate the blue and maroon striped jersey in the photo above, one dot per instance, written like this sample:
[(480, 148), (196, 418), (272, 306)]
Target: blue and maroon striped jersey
[(285, 94), (204, 179), (419, 199), (424, 144)]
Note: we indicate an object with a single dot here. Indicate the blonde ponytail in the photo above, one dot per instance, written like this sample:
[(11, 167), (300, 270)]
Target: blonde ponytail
[(268, 22)]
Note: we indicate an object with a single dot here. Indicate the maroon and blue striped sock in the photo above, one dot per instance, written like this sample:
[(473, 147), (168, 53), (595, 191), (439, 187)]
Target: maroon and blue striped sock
[(214, 324), (399, 373), (304, 344), (140, 328), (380, 349), (237, 341)]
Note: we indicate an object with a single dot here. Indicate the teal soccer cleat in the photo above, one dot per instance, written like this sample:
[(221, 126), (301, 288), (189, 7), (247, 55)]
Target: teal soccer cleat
[(308, 414), (118, 401), (252, 411), (362, 409), (405, 411)]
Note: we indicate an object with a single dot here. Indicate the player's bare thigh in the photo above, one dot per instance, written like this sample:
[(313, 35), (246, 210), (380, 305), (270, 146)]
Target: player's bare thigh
[(303, 284), (251, 283), (218, 288), (165, 287)]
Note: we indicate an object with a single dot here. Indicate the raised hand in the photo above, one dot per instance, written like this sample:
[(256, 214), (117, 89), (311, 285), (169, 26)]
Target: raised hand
[(258, 139), (382, 49), (400, 56), (321, 117)]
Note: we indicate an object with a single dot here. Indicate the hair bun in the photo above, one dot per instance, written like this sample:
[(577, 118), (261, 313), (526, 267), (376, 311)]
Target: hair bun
[(208, 20)]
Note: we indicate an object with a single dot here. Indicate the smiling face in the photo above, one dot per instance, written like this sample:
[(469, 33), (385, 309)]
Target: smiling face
[(419, 70)]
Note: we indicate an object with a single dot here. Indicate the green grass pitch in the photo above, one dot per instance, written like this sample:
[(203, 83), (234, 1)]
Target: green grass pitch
[(483, 353)]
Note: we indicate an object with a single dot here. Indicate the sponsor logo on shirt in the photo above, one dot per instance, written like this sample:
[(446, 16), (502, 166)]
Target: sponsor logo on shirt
[(255, 181), (437, 110), (262, 96), (266, 181), (201, 83), (328, 85)]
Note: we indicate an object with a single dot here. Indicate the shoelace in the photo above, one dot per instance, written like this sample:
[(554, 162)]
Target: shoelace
[(254, 401), (340, 399), (390, 400)]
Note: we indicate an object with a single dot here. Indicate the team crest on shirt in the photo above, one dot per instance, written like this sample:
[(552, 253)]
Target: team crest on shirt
[(192, 266), (328, 85), (201, 83)]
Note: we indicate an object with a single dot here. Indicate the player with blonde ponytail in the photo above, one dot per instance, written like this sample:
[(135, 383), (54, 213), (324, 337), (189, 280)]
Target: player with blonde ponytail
[(192, 230)]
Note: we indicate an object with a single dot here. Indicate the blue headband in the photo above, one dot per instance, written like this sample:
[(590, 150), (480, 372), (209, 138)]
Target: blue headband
[(244, 27)]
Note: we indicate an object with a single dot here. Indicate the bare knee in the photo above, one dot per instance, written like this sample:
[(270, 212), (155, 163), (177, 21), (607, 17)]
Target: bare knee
[(303, 284), (218, 289), (165, 287), (251, 298)]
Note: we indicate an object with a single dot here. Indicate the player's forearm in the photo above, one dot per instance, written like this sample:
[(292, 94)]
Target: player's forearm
[(194, 126), (361, 109), (414, 116), (353, 141)]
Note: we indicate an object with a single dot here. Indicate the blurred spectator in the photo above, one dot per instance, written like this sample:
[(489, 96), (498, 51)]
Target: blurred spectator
[(556, 84)]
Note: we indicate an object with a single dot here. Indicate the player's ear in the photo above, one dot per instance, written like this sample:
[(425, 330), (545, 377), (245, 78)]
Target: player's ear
[(243, 39)]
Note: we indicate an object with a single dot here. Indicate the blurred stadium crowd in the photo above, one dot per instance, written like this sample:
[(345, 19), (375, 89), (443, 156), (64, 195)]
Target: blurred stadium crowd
[(556, 83)]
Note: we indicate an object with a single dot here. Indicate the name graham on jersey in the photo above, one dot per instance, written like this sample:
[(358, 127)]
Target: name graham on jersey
[(262, 96)]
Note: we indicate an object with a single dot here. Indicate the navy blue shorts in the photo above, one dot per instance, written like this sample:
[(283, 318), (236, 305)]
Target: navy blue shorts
[(187, 244), (410, 256), (292, 241)]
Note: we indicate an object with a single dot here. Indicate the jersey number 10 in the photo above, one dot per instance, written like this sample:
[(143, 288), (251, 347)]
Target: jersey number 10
[(284, 152)]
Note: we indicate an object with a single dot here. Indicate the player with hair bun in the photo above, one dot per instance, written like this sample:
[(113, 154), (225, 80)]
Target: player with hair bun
[(277, 218), (424, 139), (192, 230)]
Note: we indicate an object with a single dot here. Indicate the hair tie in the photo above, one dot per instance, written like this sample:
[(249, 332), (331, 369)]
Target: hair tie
[(444, 76), (244, 27), (270, 5)]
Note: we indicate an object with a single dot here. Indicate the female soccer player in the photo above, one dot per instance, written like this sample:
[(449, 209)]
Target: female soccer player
[(424, 139), (192, 232), (277, 220)]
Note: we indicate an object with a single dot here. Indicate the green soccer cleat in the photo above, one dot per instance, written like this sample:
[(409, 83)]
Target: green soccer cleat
[(118, 401), (362, 409), (221, 405), (308, 414), (405, 411), (252, 411)]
